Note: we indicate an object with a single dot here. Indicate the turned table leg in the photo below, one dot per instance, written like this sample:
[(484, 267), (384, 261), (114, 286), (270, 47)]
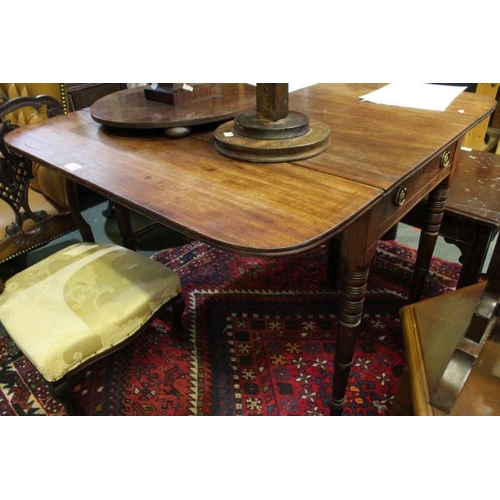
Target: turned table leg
[(428, 238), (353, 290), (358, 247)]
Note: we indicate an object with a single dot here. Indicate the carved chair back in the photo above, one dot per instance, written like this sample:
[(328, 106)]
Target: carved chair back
[(26, 184)]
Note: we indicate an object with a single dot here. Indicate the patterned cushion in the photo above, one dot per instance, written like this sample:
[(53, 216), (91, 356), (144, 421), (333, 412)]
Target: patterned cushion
[(82, 301)]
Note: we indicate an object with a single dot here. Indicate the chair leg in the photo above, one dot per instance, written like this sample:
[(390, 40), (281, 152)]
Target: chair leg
[(109, 211), (176, 306), (12, 350), (61, 391), (125, 227)]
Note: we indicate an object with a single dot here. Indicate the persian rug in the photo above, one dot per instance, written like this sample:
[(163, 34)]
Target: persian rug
[(262, 342)]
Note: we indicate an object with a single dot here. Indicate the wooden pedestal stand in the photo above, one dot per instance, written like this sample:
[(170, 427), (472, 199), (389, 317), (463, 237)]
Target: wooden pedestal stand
[(271, 133), (174, 107)]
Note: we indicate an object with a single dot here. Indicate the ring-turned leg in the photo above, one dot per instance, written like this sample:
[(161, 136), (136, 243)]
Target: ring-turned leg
[(358, 247), (353, 291), (428, 237)]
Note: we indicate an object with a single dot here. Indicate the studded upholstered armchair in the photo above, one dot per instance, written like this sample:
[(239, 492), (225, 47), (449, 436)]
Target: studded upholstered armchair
[(48, 191)]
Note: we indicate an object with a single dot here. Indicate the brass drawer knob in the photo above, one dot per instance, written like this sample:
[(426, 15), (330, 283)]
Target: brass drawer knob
[(445, 159), (400, 197)]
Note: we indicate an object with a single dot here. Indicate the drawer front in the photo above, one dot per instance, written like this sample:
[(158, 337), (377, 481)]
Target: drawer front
[(402, 198)]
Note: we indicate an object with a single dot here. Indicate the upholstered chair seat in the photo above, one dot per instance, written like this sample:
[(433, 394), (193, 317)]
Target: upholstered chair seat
[(83, 302)]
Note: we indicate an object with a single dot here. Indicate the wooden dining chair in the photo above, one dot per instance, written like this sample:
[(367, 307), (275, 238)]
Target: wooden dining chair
[(47, 191), (83, 302)]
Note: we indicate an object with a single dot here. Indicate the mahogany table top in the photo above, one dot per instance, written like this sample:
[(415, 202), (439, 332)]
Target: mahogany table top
[(271, 209)]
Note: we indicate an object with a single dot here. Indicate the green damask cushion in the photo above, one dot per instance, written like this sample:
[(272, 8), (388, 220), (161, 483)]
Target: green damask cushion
[(80, 302)]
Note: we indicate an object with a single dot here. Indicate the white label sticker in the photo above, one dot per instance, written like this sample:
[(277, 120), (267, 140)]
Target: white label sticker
[(72, 166), (185, 86), (228, 134)]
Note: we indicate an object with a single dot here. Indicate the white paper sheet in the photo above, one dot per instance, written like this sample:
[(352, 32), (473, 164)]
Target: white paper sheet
[(415, 95)]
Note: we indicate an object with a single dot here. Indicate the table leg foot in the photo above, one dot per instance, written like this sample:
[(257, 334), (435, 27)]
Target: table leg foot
[(336, 407)]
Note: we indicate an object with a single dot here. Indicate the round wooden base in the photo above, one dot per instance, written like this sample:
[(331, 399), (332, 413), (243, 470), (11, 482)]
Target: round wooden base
[(305, 146)]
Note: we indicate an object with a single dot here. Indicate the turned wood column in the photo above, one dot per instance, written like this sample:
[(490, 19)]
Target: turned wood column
[(358, 247), (353, 291), (428, 237)]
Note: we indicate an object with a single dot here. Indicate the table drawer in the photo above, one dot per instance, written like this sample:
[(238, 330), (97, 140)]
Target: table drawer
[(402, 198)]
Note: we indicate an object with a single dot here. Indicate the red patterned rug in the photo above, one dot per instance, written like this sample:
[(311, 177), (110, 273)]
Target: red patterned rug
[(263, 336)]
